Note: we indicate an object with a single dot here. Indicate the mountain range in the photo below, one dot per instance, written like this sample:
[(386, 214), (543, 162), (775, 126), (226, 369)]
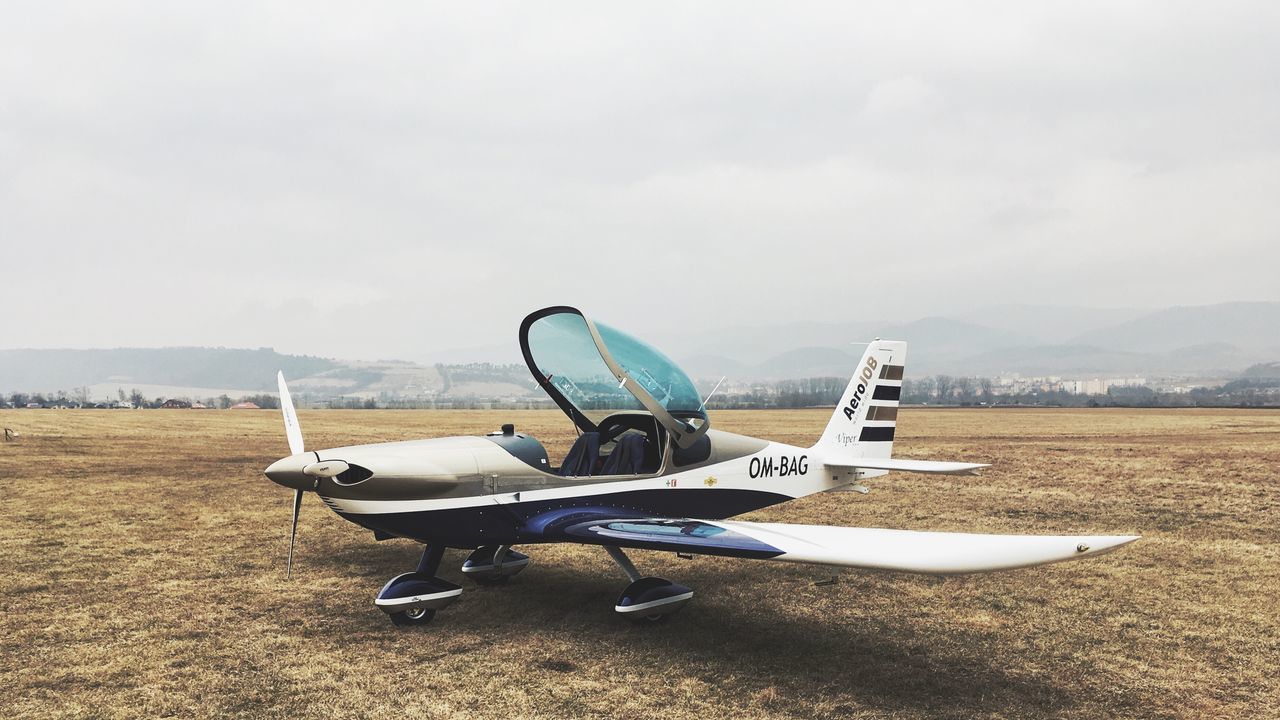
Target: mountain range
[(1206, 341), (1192, 341)]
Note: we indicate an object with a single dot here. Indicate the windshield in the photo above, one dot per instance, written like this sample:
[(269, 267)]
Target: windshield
[(655, 372), (592, 370), (567, 357)]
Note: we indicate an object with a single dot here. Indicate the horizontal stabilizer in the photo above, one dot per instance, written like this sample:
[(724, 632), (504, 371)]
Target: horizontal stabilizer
[(933, 553), (917, 466)]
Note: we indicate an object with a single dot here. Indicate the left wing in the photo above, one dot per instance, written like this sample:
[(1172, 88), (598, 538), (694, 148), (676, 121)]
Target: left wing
[(935, 553)]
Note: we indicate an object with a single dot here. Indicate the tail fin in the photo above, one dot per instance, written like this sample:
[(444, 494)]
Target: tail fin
[(864, 421)]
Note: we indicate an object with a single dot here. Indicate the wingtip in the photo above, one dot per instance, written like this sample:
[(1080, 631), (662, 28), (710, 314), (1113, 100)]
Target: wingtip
[(1106, 543)]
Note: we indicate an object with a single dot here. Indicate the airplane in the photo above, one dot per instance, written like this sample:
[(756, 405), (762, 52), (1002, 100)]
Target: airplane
[(646, 472)]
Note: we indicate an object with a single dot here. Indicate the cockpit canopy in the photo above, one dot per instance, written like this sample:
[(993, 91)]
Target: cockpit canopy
[(592, 370)]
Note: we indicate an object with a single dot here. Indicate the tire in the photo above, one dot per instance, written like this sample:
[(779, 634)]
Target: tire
[(648, 619), (490, 580), (410, 618)]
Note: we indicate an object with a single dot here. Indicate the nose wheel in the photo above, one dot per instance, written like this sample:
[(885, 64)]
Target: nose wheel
[(413, 616), (413, 598)]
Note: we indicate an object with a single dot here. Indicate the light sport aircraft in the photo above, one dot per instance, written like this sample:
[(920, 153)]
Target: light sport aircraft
[(647, 471)]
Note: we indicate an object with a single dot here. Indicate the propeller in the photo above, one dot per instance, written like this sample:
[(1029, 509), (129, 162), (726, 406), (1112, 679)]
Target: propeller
[(297, 505), (294, 432), (291, 428)]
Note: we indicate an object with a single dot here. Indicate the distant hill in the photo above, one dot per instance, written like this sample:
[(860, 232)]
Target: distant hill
[(1242, 324), (1049, 324), (713, 366), (1208, 360), (45, 370), (935, 343), (1262, 371), (1212, 340), (751, 345), (806, 362), (205, 372)]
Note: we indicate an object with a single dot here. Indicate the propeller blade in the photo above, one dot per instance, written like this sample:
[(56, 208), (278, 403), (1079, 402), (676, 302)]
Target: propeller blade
[(291, 428), (297, 505), (293, 431)]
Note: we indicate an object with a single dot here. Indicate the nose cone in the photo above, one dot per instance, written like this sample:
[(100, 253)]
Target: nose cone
[(288, 471)]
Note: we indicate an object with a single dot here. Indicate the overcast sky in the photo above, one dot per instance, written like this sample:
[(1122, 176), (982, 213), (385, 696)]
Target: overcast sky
[(390, 179)]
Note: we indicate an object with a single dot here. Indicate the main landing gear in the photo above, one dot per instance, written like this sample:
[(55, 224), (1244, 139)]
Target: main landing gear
[(494, 564), (413, 598), (646, 599)]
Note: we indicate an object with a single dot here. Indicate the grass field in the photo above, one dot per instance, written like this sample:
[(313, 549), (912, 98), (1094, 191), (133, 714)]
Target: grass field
[(144, 557)]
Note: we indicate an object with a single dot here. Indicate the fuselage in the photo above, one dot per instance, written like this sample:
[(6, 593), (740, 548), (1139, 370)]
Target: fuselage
[(472, 491), (645, 448)]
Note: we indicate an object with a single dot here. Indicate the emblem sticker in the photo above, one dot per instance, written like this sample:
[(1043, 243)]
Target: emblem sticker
[(868, 372)]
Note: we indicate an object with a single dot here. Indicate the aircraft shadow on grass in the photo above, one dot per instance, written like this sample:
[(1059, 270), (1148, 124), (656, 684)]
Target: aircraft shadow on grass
[(880, 663)]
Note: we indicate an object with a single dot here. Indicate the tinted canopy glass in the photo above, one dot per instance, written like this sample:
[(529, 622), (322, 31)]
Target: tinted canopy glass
[(655, 372), (591, 369), (567, 358)]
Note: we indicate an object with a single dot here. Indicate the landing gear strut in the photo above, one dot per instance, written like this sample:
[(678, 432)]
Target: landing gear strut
[(494, 564), (646, 599), (413, 598)]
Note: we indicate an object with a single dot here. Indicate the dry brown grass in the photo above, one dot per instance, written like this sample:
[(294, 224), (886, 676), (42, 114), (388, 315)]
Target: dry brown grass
[(144, 576)]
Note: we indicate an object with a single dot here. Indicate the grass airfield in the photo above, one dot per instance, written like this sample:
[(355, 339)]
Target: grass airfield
[(144, 558)]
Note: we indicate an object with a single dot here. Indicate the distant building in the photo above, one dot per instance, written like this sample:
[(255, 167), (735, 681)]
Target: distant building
[(1099, 386), (173, 404), (245, 406), (199, 406)]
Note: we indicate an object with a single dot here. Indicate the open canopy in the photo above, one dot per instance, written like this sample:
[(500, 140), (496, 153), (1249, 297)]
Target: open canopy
[(592, 370)]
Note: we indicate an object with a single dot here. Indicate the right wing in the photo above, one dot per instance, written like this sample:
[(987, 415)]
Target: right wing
[(934, 553)]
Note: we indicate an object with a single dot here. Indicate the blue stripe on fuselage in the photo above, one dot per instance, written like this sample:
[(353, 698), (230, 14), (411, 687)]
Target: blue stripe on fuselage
[(495, 524)]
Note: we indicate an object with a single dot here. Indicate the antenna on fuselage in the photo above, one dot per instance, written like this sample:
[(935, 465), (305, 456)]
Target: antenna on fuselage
[(703, 404)]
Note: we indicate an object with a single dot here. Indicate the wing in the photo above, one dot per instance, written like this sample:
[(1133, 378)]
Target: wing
[(935, 553)]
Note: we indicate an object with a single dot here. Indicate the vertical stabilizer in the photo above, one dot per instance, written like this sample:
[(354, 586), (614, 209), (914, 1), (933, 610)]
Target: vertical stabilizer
[(865, 419)]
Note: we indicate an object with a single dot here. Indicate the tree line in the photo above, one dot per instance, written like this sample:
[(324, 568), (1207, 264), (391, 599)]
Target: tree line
[(964, 391), (79, 398), (1248, 391)]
